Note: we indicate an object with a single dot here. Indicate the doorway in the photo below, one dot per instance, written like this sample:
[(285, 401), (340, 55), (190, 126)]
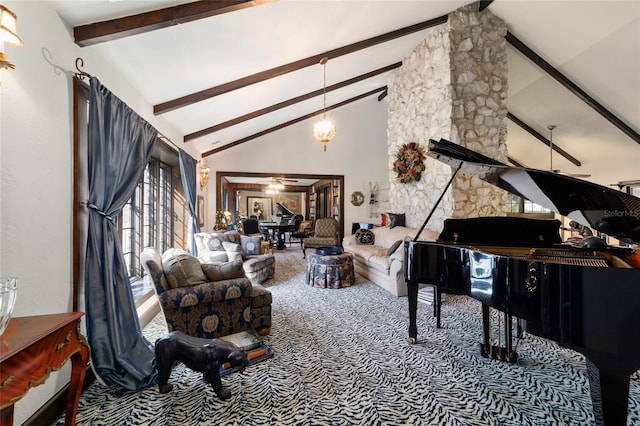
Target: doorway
[(321, 194)]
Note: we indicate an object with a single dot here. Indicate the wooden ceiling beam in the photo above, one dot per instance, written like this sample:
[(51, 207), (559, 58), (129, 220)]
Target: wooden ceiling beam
[(113, 29), (533, 132), (294, 121), (288, 102), (292, 66)]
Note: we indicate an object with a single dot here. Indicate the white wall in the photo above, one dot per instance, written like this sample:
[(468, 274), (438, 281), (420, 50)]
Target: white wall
[(359, 152), (36, 168)]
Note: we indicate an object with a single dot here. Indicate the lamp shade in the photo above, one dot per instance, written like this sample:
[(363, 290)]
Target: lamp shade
[(8, 30), (324, 130)]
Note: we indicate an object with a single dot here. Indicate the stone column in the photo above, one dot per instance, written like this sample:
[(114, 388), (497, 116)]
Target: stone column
[(453, 85)]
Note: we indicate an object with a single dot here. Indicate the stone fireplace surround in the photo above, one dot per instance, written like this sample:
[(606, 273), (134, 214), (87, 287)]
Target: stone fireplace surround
[(453, 85)]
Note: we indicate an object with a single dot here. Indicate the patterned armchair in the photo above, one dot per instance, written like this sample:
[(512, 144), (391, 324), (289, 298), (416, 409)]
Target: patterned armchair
[(206, 300), (326, 233), (215, 247)]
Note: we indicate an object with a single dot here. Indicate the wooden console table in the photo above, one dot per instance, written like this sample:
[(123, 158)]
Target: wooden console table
[(32, 347)]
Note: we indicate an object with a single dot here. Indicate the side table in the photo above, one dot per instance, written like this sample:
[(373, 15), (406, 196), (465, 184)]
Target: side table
[(30, 348), (330, 271)]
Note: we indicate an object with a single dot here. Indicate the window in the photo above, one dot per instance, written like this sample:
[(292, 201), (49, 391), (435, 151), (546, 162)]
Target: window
[(155, 216), (517, 206), (145, 220)]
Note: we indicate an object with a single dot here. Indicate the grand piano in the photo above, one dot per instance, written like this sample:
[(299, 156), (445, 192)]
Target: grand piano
[(284, 213), (585, 297)]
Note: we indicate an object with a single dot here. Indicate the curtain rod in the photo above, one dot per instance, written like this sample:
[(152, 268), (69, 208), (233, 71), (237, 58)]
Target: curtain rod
[(82, 74), (166, 139)]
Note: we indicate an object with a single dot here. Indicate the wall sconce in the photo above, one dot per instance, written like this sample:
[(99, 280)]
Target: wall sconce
[(204, 175), (8, 34)]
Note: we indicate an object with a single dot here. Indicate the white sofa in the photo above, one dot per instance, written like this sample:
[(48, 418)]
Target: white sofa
[(373, 262)]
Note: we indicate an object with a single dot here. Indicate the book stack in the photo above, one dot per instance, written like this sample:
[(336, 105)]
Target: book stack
[(246, 340), (252, 343), (426, 294)]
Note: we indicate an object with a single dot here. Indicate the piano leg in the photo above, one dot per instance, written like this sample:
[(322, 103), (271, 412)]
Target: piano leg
[(609, 395), (488, 350), (412, 296), (437, 304)]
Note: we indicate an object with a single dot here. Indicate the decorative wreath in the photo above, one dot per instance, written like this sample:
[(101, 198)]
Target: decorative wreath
[(409, 163)]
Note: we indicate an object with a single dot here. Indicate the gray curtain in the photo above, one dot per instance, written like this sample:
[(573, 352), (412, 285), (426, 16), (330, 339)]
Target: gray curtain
[(188, 175), (119, 147)]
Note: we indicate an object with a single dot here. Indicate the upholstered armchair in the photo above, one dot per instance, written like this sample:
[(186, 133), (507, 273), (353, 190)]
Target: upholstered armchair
[(326, 233), (214, 247), (206, 300)]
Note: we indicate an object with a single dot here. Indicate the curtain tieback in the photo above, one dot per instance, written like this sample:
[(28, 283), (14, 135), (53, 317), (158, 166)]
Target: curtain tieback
[(100, 212)]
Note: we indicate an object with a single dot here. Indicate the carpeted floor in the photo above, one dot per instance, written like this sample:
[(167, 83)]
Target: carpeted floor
[(341, 358)]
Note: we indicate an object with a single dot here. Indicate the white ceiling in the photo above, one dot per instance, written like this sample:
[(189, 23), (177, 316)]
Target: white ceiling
[(594, 43)]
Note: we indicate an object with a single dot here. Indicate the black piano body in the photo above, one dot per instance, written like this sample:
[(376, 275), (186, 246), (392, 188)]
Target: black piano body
[(585, 298), (285, 214)]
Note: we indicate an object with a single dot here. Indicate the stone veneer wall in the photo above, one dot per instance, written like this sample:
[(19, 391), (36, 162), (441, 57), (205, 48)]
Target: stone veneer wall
[(452, 86)]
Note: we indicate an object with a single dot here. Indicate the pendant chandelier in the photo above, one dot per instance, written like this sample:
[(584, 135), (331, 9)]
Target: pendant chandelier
[(324, 130)]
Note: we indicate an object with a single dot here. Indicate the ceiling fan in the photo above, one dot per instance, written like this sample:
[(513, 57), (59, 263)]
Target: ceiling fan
[(275, 185), (277, 180), (551, 127)]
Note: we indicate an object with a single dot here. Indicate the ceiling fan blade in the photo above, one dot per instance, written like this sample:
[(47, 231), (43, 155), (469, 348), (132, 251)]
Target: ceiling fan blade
[(582, 175), (551, 127)]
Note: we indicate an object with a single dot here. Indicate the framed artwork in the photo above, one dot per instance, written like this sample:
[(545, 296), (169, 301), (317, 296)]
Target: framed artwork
[(260, 207), (200, 209)]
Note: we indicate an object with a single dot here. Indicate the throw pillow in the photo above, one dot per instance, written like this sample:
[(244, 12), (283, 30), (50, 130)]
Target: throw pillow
[(364, 236), (234, 251), (384, 219), (397, 219), (394, 247), (233, 236), (251, 244), (214, 241), (223, 271), (184, 268)]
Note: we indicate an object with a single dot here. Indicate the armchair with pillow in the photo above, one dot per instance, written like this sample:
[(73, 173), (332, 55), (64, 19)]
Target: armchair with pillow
[(230, 245), (206, 300), (326, 233)]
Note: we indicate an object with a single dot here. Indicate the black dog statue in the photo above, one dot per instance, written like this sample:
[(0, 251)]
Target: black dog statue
[(202, 355)]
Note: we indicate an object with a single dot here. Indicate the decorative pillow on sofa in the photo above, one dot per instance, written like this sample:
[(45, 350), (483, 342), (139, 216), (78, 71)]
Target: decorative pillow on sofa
[(397, 219), (214, 241), (394, 247), (364, 236), (384, 219), (234, 251), (182, 269), (223, 271), (233, 236), (251, 244)]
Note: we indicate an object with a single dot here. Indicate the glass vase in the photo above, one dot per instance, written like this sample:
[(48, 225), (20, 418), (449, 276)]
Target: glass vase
[(8, 291)]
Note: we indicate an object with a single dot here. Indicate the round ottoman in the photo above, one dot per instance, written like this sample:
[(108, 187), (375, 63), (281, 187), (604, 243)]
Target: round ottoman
[(330, 271)]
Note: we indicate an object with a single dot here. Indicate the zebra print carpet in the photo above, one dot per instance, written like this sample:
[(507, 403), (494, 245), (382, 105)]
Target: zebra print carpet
[(341, 358)]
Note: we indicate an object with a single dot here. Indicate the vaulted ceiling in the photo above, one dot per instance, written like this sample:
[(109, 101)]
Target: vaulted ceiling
[(224, 72)]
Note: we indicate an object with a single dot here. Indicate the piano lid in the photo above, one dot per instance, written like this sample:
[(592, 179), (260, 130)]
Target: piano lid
[(284, 210), (607, 210)]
